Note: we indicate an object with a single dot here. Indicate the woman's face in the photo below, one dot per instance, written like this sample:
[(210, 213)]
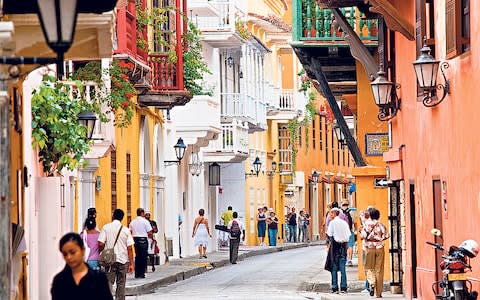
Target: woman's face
[(72, 254)]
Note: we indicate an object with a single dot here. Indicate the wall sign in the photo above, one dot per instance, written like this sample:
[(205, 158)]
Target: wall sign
[(376, 144)]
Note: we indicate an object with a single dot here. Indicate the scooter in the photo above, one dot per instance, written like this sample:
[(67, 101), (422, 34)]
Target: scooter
[(455, 265)]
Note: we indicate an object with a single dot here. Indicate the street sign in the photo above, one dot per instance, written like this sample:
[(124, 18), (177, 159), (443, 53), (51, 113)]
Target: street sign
[(380, 182)]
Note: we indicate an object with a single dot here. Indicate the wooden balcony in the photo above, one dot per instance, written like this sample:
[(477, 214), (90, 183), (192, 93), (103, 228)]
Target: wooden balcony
[(128, 33)]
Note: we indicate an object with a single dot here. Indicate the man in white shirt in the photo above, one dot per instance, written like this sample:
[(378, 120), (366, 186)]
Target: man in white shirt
[(140, 228), (338, 234), (123, 251), (236, 230)]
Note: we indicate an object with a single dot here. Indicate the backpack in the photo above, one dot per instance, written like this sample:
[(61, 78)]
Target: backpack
[(235, 230), (108, 257), (350, 219)]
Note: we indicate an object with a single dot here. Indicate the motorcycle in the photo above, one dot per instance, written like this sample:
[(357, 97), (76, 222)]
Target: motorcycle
[(455, 264)]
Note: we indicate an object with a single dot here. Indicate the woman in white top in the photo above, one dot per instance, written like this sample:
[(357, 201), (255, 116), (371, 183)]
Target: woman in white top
[(201, 232)]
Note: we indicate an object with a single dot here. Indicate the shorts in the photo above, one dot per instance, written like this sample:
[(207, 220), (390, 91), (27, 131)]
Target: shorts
[(351, 241), (261, 228)]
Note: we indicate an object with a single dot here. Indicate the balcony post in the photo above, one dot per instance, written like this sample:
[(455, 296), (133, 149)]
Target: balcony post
[(178, 27), (297, 19)]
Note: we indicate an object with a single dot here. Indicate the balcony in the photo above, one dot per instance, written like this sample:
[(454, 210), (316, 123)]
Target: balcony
[(245, 108), (231, 145), (202, 8), (285, 104), (222, 30), (198, 122)]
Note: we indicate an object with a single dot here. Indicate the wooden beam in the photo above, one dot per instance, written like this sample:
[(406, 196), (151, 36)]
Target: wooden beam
[(313, 67), (394, 19), (357, 48)]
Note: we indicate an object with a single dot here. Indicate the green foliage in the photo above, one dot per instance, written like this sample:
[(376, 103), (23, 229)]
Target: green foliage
[(242, 30), (61, 140), (194, 66), (305, 82), (119, 99)]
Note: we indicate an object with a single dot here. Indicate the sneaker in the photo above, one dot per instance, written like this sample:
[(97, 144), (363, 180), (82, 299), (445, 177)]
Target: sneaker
[(334, 291), (372, 290), (343, 292), (349, 263), (365, 291)]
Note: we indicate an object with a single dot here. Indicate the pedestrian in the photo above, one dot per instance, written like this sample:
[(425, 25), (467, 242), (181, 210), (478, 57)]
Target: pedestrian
[(301, 228), (153, 249), (272, 222), (180, 222), (351, 242), (292, 225), (140, 229), (287, 227), (261, 225), (236, 231), (91, 213), (342, 215), (201, 232), (338, 235), (375, 233), (306, 225), (227, 215), (90, 239), (115, 235), (77, 281), (152, 222), (365, 218)]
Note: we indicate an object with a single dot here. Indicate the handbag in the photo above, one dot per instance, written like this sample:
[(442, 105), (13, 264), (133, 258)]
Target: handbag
[(108, 257), (85, 244)]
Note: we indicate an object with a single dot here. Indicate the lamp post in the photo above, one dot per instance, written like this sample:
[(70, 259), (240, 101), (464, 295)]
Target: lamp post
[(257, 164), (180, 148), (315, 176), (87, 119), (385, 96), (426, 70), (214, 174), (58, 19)]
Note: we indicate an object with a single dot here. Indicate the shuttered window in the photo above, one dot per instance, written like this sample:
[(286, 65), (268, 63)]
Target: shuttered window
[(326, 143), (313, 132), (424, 28), (320, 123), (457, 27), (129, 190), (113, 172), (333, 149)]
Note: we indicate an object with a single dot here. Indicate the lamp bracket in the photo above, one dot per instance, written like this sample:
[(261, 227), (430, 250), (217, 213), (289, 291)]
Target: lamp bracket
[(171, 162), (251, 174), (430, 100), (389, 112)]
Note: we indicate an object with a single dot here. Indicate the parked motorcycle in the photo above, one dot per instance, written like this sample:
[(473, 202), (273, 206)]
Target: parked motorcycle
[(455, 265)]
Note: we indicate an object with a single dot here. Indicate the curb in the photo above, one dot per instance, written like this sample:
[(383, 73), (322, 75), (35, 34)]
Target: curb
[(325, 287), (149, 287)]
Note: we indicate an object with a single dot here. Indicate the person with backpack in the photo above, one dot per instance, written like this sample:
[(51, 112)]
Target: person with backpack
[(236, 231), (351, 242)]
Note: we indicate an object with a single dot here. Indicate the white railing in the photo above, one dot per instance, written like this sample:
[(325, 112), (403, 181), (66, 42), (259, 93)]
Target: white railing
[(228, 14), (261, 113), (238, 105), (286, 100), (233, 138)]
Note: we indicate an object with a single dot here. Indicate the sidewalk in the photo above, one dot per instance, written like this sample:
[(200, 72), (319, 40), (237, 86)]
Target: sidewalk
[(184, 268)]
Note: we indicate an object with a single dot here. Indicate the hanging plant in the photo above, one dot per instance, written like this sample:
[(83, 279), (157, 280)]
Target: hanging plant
[(60, 139), (119, 98), (241, 29)]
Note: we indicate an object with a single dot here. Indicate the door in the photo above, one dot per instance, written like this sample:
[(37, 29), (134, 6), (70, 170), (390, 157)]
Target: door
[(438, 223), (413, 240)]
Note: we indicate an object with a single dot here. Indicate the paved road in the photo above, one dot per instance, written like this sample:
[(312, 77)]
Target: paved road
[(273, 276)]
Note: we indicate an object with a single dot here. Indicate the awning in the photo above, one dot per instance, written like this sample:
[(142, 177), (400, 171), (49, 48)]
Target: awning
[(30, 6)]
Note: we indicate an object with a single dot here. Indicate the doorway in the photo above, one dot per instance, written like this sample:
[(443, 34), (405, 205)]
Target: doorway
[(438, 224), (413, 240)]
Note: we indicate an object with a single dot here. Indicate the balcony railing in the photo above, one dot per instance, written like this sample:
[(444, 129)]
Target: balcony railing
[(127, 32), (312, 23), (286, 101), (233, 138), (238, 105), (228, 15), (164, 72)]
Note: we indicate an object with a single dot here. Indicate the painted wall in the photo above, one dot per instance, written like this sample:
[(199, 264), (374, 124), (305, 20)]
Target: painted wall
[(440, 143)]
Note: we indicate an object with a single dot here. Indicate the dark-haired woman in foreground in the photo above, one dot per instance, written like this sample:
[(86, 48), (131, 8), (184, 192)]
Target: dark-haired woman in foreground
[(77, 280)]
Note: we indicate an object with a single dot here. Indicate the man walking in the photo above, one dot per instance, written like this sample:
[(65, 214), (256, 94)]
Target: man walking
[(292, 225), (140, 228), (236, 229), (152, 222), (123, 251), (338, 235), (227, 216), (351, 224)]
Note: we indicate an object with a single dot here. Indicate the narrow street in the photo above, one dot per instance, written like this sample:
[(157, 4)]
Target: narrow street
[(281, 275)]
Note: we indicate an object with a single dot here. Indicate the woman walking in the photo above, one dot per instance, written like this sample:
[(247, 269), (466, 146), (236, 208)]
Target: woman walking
[(375, 233), (77, 280), (201, 232), (272, 229), (90, 240), (261, 224)]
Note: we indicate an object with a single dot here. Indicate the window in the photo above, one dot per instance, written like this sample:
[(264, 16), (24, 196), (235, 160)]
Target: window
[(321, 132), (113, 172), (326, 143), (313, 133), (333, 149), (424, 28), (457, 25)]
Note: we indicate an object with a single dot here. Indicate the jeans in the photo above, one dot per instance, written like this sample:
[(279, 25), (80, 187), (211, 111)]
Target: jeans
[(272, 237), (141, 254), (118, 272), (234, 244), (301, 233), (339, 265), (293, 233)]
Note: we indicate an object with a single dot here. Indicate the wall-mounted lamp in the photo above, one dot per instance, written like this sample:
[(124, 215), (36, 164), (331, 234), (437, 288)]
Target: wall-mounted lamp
[(240, 74), (195, 164), (385, 96), (180, 148), (340, 136), (257, 164), (272, 172), (214, 174), (426, 70), (230, 61), (88, 119), (315, 176)]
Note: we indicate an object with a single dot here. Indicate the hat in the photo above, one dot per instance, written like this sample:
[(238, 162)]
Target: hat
[(270, 209), (335, 209), (345, 202)]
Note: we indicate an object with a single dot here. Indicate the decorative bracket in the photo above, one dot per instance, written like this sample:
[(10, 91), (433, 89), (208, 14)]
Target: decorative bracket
[(393, 18)]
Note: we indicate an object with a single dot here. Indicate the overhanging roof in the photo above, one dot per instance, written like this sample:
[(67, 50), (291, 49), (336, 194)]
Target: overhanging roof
[(31, 7)]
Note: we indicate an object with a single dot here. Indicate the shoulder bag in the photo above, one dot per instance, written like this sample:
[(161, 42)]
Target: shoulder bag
[(108, 257)]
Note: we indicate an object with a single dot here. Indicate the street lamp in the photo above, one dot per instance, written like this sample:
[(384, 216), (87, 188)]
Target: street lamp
[(274, 166), (339, 134), (385, 96), (87, 119), (58, 20), (179, 152), (426, 70), (214, 174), (315, 176), (257, 164)]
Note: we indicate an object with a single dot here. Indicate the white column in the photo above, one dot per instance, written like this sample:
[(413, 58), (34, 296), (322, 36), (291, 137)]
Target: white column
[(145, 192), (86, 191), (314, 214)]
